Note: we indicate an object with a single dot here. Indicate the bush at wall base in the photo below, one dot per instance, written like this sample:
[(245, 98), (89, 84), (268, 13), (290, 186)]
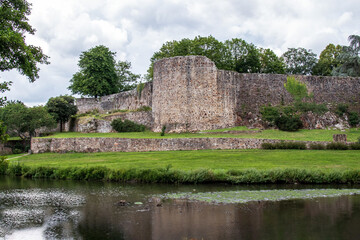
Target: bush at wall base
[(126, 126)]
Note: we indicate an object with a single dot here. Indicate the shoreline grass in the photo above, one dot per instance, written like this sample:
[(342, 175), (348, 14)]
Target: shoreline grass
[(301, 135), (204, 166)]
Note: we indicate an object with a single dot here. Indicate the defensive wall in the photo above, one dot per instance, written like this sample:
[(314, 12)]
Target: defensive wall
[(190, 94), (86, 145)]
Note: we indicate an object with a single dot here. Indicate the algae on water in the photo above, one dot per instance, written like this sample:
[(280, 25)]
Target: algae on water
[(262, 195)]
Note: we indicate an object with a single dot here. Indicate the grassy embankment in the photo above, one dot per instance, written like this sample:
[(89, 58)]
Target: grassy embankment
[(301, 135), (231, 166)]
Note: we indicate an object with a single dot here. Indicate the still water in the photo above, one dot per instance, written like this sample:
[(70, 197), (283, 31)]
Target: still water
[(44, 209)]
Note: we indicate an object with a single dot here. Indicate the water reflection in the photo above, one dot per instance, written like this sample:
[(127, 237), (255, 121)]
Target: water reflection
[(81, 210)]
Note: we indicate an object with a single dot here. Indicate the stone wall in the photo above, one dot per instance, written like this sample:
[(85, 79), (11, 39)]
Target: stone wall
[(190, 94), (130, 100), (186, 97), (103, 125), (62, 145)]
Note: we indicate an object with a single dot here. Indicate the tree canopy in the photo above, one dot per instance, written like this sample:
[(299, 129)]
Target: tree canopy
[(349, 58), (14, 52), (23, 121), (328, 60), (100, 75), (299, 61), (61, 108)]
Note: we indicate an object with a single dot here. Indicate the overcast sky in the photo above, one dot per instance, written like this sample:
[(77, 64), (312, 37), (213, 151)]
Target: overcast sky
[(135, 29)]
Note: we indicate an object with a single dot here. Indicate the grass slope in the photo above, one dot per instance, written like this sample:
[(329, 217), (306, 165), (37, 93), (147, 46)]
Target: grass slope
[(203, 159)]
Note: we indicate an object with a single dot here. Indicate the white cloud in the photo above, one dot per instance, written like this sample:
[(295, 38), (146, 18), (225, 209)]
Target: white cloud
[(136, 29)]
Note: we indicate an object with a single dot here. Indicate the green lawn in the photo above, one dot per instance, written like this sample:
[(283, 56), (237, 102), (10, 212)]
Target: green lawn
[(209, 159), (302, 135)]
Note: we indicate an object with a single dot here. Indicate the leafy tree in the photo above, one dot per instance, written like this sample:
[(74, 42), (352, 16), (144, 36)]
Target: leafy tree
[(126, 79), (270, 62), (61, 108), (204, 46), (4, 86), (242, 57), (349, 59), (97, 75), (23, 121), (328, 60), (14, 52), (299, 61), (3, 135)]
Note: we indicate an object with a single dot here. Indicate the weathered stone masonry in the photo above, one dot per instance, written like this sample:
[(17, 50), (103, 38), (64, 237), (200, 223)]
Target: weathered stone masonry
[(62, 145), (190, 94)]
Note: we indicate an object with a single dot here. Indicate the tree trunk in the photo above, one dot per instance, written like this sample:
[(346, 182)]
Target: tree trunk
[(61, 126)]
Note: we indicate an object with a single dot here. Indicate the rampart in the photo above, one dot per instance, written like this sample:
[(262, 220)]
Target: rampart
[(85, 145), (130, 100), (190, 94)]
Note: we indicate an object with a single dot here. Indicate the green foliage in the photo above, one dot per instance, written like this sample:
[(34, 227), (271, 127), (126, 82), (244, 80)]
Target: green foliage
[(354, 119), (328, 60), (3, 136), (235, 55), (337, 146), (139, 88), (355, 146), (299, 61), (270, 114), (23, 121), (349, 59), (342, 109), (317, 146), (163, 129), (4, 86), (289, 123), (310, 107), (61, 108), (126, 126), (14, 52), (126, 79), (297, 89), (284, 145), (3, 165), (97, 75), (270, 62)]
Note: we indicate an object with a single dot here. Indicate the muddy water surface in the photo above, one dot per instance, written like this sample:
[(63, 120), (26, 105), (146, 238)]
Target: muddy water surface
[(44, 209)]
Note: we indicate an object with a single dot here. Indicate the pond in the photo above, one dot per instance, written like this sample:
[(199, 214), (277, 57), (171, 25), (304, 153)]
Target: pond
[(46, 209)]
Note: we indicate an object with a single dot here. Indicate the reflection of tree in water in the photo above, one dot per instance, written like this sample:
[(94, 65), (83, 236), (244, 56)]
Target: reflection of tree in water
[(61, 223)]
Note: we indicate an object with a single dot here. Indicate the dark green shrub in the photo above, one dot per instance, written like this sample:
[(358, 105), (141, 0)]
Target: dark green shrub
[(337, 146), (17, 151), (126, 126), (355, 146), (270, 114), (284, 145), (317, 146), (163, 129), (288, 123), (310, 107), (341, 109), (353, 119), (4, 164)]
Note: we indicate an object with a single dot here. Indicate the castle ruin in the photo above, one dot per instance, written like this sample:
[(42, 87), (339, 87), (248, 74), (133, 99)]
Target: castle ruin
[(190, 94)]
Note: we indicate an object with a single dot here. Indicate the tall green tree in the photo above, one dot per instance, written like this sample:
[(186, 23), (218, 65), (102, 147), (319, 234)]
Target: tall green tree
[(242, 57), (61, 108), (328, 60), (23, 121), (349, 59), (126, 79), (14, 52), (97, 75), (270, 62), (299, 61)]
